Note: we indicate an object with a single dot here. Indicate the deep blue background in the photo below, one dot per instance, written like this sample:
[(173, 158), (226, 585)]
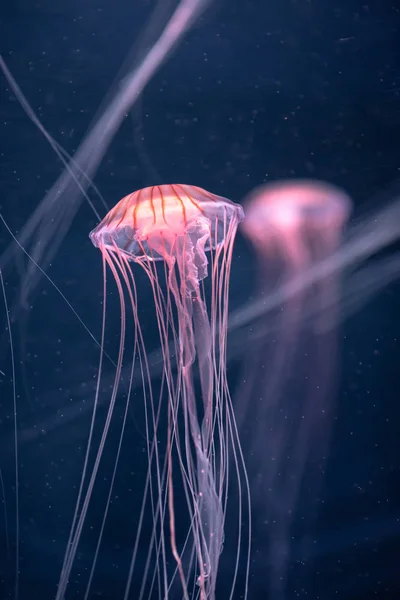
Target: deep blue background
[(257, 91)]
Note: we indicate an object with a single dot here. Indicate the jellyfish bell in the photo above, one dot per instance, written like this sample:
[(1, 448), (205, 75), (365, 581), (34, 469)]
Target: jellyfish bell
[(303, 201), (288, 215), (152, 222)]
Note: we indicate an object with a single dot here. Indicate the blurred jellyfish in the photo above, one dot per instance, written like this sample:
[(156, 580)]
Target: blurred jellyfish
[(284, 402), (177, 225)]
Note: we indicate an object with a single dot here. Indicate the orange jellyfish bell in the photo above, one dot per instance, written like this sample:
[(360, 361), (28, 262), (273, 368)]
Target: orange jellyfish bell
[(160, 222)]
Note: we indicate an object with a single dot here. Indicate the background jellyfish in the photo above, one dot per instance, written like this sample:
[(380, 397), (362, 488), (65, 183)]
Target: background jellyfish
[(284, 403), (179, 225)]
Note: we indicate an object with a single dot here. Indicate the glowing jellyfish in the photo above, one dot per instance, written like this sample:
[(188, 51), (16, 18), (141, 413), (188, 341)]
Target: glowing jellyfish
[(179, 225), (285, 401)]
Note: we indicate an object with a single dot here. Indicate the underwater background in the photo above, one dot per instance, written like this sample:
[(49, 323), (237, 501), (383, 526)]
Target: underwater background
[(257, 91)]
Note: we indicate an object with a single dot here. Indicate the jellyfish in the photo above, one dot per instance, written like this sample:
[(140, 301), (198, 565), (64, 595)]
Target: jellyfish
[(285, 400), (170, 231)]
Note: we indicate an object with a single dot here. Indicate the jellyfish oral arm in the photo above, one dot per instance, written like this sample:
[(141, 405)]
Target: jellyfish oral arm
[(195, 334)]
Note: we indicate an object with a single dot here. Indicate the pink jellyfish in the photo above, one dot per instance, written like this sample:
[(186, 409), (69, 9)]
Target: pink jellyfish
[(169, 230), (295, 227)]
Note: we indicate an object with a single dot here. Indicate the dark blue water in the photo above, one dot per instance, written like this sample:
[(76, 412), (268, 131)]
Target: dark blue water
[(256, 91)]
